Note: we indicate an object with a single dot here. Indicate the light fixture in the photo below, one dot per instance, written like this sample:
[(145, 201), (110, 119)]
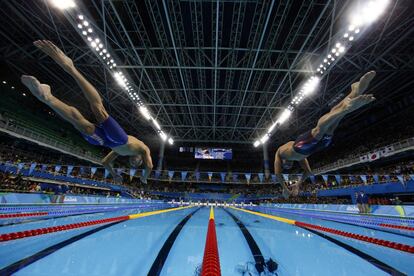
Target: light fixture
[(63, 4)]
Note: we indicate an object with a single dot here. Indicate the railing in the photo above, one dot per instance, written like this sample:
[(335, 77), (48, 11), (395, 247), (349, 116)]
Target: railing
[(44, 140), (400, 146)]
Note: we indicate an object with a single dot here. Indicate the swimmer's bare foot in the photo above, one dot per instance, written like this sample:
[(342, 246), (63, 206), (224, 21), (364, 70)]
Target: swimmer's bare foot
[(357, 102), (359, 87), (40, 91), (55, 53)]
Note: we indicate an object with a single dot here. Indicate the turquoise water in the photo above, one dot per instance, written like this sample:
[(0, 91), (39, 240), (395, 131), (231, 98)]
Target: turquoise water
[(133, 246)]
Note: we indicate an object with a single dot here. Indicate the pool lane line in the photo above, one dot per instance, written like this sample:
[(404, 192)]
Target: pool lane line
[(372, 260), (19, 215), (385, 243), (254, 248), (211, 259), (351, 222), (162, 256), (10, 269), (46, 230)]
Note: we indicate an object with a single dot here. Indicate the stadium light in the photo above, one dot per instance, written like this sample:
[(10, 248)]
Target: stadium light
[(170, 141), (163, 136), (256, 143), (284, 116), (368, 13), (144, 111), (63, 4)]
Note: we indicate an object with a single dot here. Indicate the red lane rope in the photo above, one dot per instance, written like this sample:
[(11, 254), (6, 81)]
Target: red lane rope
[(400, 227), (18, 215), (211, 262), (389, 244), (46, 230)]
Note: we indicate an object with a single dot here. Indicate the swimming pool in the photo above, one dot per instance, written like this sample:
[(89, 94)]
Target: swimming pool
[(164, 239)]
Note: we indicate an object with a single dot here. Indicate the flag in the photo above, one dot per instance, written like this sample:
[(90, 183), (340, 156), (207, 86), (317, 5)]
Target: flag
[(387, 151), (132, 172), (387, 178), (223, 176), (119, 171), (170, 174), (57, 168), (312, 178), (197, 175), (338, 178), (325, 178), (401, 179), (70, 169), (183, 175), (106, 173), (32, 167), (286, 177), (273, 178), (93, 171), (19, 167), (363, 158), (210, 175), (372, 156), (44, 167), (261, 175), (248, 176), (412, 176), (157, 174), (235, 177), (376, 178), (364, 178)]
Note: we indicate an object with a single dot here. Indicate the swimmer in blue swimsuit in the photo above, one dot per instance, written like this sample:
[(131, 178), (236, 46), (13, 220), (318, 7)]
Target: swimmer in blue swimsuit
[(319, 137), (107, 132)]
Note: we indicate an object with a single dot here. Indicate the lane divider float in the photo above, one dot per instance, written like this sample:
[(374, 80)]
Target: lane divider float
[(385, 243), (46, 230), (211, 260)]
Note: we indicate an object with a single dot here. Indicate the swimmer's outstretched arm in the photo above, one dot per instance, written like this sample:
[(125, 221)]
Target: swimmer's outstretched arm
[(304, 164), (147, 161), (278, 172), (107, 162)]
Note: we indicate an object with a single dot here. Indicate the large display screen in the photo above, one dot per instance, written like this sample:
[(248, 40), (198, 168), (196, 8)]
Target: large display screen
[(213, 153)]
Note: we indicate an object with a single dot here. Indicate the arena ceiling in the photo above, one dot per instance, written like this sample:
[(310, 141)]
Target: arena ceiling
[(212, 71)]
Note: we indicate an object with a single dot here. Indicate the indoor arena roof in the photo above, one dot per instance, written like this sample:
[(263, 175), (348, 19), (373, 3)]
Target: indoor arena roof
[(212, 71)]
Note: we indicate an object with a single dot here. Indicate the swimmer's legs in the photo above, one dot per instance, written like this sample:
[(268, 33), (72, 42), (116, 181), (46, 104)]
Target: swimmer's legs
[(67, 112), (328, 122), (89, 91)]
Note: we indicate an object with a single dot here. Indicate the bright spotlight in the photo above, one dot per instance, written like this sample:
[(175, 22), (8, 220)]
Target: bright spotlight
[(163, 136), (63, 4), (264, 139), (311, 85), (156, 124), (256, 143), (284, 116), (170, 141), (272, 127), (341, 49), (144, 111)]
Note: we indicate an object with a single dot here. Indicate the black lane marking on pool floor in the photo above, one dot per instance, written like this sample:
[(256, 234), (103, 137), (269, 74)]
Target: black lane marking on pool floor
[(8, 270), (254, 248), (162, 256), (383, 266)]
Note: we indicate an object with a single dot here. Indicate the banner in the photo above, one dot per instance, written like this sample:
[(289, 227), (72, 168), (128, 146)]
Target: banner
[(184, 175), (235, 177), (376, 178), (57, 168), (248, 176), (210, 175), (223, 176), (325, 178), (285, 177), (32, 167), (338, 178), (69, 172), (261, 175), (170, 174), (363, 158), (197, 175), (387, 151), (364, 178), (93, 171), (106, 173)]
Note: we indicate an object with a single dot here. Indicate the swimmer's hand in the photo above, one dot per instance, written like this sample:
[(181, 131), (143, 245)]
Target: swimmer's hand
[(55, 53)]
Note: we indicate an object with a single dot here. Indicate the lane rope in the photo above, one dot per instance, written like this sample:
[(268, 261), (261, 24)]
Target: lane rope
[(211, 259)]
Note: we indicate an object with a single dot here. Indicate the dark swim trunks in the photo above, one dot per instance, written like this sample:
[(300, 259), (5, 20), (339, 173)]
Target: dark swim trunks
[(306, 144), (108, 134)]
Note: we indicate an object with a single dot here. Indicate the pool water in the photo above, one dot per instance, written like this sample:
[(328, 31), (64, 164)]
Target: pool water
[(172, 243)]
